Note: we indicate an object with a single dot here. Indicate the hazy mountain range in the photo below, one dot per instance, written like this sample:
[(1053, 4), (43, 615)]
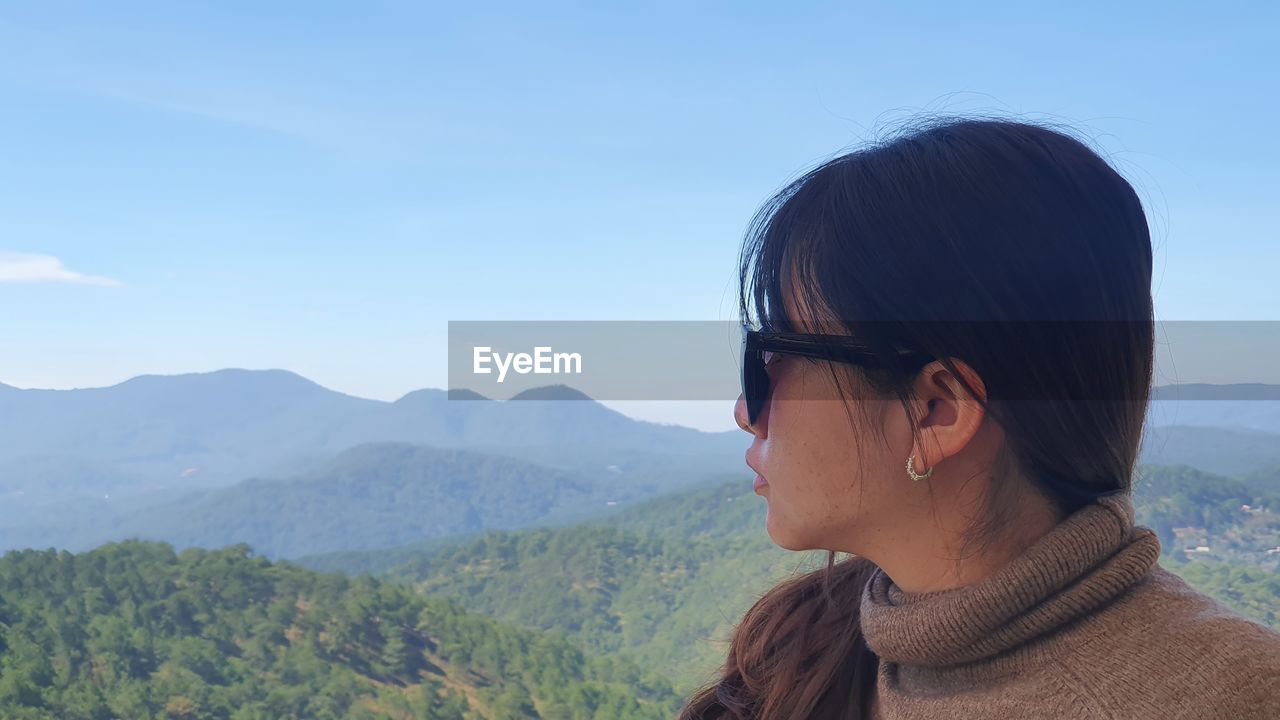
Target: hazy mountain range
[(273, 459), (214, 429)]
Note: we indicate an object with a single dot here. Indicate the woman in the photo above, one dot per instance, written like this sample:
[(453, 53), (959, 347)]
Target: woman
[(962, 412)]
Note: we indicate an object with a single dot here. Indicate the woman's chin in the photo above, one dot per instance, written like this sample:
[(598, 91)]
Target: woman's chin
[(778, 534)]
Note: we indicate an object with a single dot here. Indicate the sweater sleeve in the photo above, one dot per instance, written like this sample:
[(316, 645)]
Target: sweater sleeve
[(1249, 675), (1170, 652)]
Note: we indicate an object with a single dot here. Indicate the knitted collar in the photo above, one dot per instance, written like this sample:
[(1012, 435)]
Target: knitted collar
[(995, 627)]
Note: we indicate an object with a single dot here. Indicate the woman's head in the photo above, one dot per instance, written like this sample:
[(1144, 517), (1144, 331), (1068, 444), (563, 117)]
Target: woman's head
[(1010, 253), (1017, 262)]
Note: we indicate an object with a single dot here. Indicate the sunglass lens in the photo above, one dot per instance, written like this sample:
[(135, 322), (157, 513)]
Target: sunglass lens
[(755, 381)]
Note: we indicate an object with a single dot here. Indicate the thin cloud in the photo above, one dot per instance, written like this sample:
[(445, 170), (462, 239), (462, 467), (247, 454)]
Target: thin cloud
[(28, 267)]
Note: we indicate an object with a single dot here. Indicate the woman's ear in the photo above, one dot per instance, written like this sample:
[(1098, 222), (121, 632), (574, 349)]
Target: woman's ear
[(949, 415)]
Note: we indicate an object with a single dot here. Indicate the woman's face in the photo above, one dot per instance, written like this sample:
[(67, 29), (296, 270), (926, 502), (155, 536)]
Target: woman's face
[(828, 476)]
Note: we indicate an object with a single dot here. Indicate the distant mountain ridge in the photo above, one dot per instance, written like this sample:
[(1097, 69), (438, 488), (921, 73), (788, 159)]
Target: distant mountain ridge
[(1256, 407), (1224, 451), (551, 392), (75, 464), (1211, 391), (372, 496), (214, 429)]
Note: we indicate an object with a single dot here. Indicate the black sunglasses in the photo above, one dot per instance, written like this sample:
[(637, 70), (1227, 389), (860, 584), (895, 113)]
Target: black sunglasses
[(758, 347)]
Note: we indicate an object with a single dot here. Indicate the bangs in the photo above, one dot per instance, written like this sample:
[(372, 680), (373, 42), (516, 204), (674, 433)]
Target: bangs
[(782, 248)]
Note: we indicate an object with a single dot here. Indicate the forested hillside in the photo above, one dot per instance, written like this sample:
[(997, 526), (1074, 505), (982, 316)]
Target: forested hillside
[(133, 630), (668, 597), (1217, 518), (667, 580)]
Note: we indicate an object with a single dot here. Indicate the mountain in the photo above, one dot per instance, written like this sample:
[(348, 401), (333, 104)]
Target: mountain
[(153, 435), (158, 433), (1264, 480), (376, 495), (51, 474), (665, 581), (196, 459), (1217, 450), (134, 630), (196, 430), (551, 392), (1208, 391), (1246, 406), (231, 424)]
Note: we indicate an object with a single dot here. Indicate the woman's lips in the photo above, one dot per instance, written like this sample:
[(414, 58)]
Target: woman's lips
[(760, 481)]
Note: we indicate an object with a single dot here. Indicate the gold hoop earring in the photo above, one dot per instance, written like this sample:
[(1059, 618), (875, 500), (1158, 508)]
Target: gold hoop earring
[(911, 471)]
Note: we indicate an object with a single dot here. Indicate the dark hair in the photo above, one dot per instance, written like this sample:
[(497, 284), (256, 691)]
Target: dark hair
[(1000, 222)]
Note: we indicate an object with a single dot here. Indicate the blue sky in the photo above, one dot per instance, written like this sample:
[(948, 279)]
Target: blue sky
[(321, 187)]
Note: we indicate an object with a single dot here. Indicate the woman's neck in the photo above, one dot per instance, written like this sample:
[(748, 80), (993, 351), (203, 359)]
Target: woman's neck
[(931, 551)]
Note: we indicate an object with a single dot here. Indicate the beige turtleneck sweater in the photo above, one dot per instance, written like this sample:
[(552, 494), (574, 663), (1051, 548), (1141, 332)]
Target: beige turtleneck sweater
[(1084, 624)]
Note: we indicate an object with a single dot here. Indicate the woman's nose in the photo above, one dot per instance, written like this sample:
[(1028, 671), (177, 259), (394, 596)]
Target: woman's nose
[(740, 416)]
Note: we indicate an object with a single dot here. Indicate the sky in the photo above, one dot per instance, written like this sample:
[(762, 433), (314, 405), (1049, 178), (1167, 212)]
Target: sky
[(321, 187)]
